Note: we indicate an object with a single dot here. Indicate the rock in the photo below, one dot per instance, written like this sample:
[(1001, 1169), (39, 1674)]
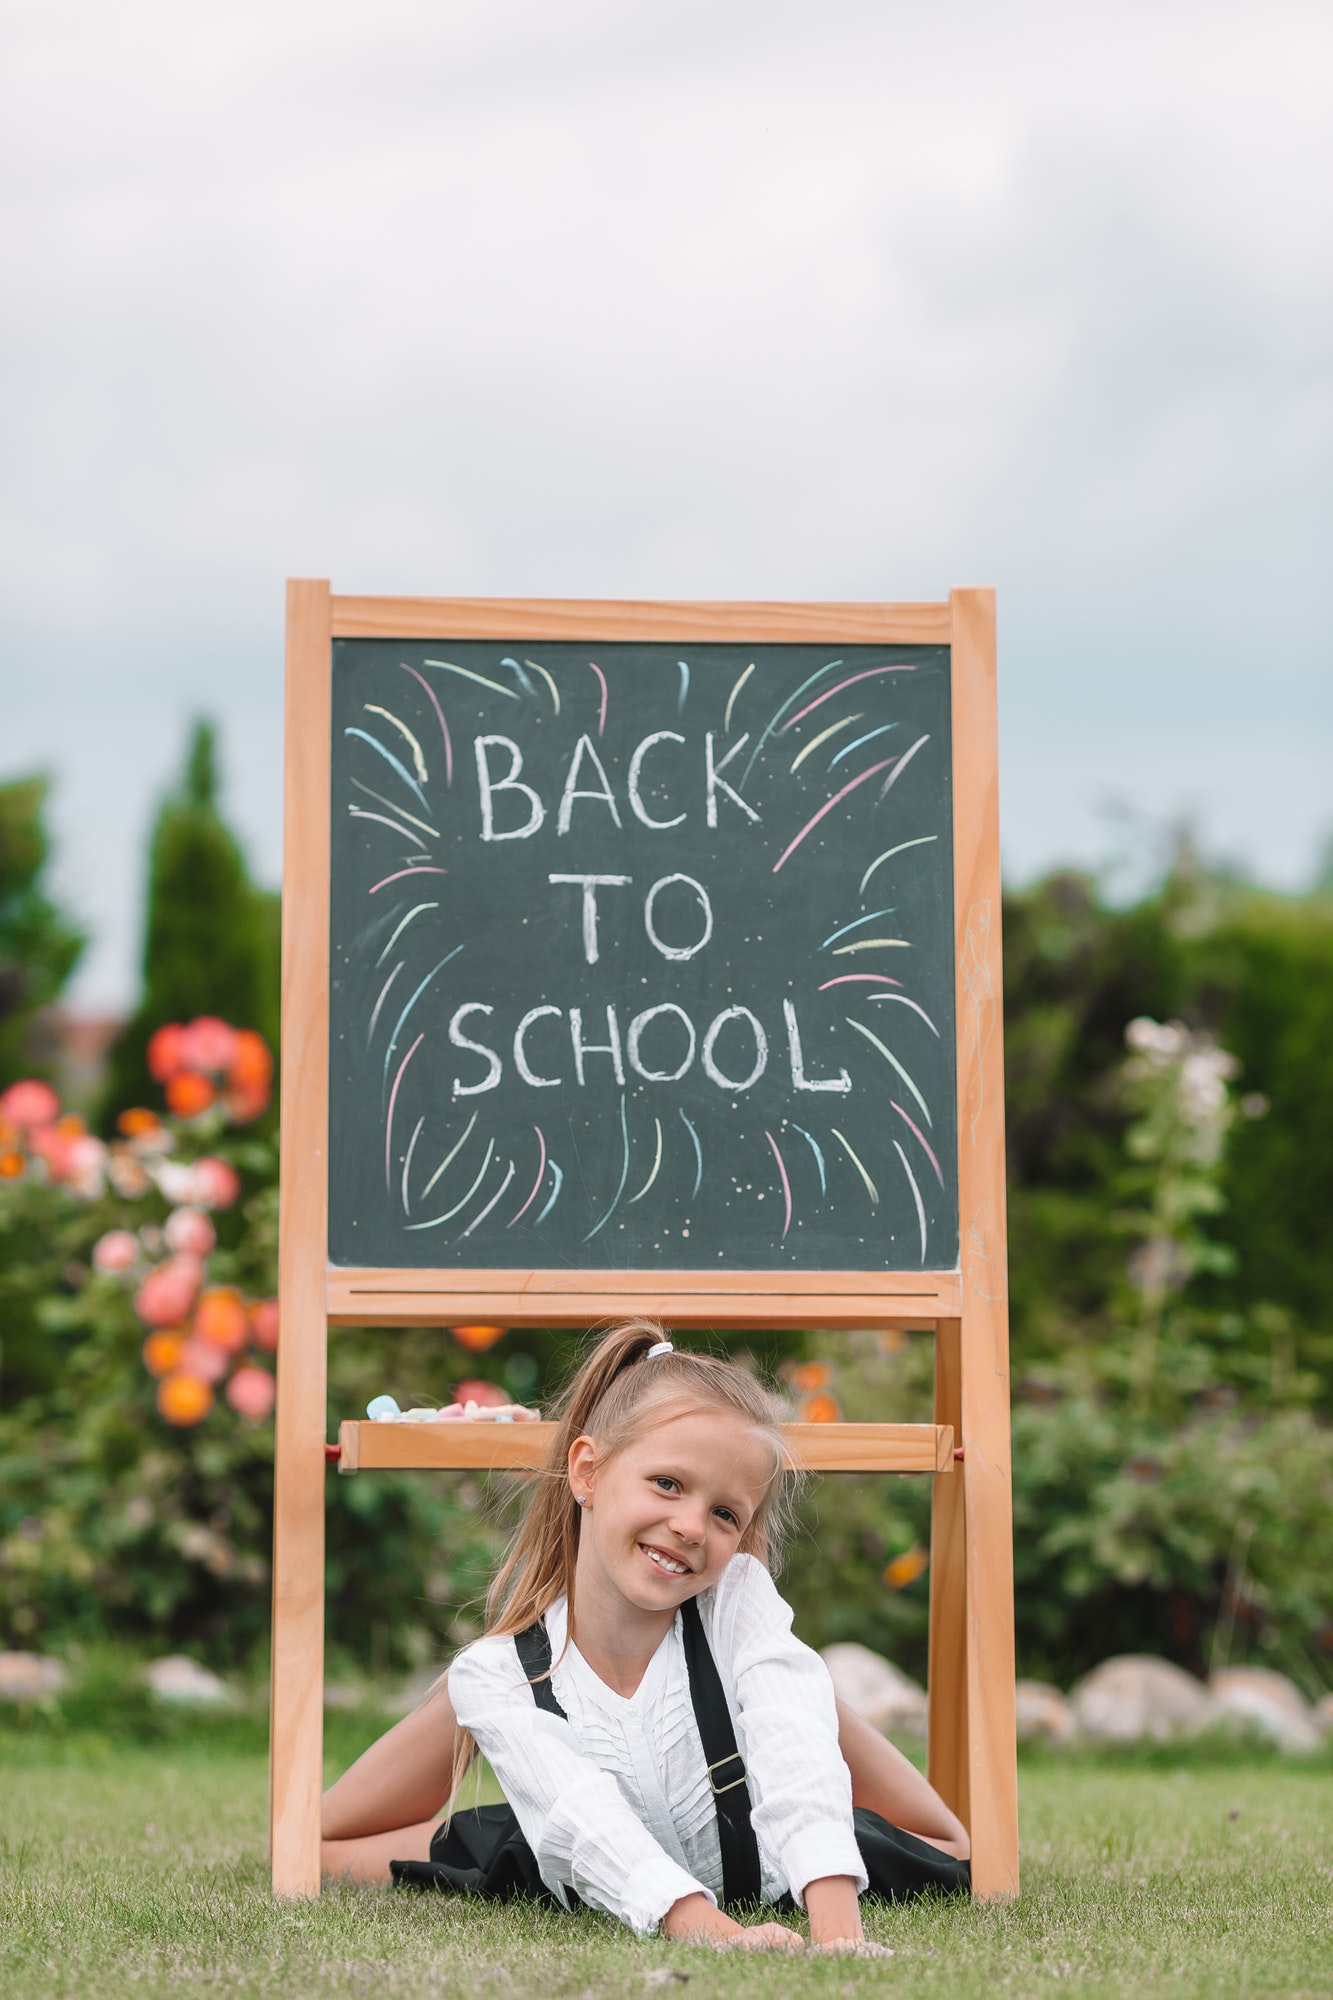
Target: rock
[(1270, 1703), (30, 1677), (1133, 1696), (875, 1689), (177, 1678), (1044, 1714), (1323, 1715), (343, 1694)]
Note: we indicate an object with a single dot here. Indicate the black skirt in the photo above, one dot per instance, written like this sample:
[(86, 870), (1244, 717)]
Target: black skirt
[(482, 1852)]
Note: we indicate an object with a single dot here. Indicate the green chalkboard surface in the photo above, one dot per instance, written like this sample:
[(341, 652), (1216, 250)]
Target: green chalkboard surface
[(640, 960)]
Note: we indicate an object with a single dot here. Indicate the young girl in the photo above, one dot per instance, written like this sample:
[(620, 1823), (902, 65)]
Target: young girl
[(668, 1748)]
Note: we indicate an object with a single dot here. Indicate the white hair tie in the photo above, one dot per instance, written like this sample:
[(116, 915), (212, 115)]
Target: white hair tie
[(662, 1347)]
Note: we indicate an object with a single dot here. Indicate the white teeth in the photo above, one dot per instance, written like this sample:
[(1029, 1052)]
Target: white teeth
[(665, 1562)]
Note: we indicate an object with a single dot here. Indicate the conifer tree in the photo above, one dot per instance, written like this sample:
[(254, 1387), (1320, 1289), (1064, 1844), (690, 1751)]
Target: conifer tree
[(38, 947), (210, 935)]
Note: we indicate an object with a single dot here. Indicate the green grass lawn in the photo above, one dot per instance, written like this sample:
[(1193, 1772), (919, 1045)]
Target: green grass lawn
[(141, 1871)]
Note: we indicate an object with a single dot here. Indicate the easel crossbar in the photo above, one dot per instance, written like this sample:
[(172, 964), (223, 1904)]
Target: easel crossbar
[(491, 1447)]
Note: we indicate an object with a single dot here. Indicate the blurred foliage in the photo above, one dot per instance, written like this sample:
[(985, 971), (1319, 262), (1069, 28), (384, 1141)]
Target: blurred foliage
[(39, 948), (1253, 969), (211, 937), (1172, 1317), (1173, 1477)]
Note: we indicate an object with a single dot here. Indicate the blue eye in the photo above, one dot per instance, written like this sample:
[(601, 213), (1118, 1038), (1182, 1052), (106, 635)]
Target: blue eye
[(725, 1514)]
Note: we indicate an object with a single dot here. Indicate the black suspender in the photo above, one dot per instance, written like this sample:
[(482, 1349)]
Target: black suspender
[(726, 1772), (741, 1881), (534, 1656)]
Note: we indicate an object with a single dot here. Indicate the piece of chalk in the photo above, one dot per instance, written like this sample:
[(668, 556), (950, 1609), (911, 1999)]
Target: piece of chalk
[(383, 1410)]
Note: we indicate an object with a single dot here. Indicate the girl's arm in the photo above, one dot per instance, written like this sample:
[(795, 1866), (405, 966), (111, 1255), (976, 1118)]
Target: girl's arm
[(889, 1784), (833, 1906), (400, 1780)]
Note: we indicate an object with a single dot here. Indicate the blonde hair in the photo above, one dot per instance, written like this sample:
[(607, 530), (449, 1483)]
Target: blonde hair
[(613, 1398)]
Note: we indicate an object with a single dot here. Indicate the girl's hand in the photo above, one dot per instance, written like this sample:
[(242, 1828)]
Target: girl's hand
[(694, 1920), (853, 1947), (763, 1937)]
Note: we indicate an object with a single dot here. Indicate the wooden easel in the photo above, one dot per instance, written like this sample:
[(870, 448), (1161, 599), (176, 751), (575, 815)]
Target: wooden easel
[(966, 1449)]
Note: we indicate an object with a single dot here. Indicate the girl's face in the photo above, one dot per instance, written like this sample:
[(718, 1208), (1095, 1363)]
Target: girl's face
[(663, 1517)]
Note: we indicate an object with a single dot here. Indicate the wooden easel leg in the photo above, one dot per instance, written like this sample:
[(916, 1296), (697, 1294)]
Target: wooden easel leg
[(989, 1560), (947, 1765), (296, 1717), (983, 1331)]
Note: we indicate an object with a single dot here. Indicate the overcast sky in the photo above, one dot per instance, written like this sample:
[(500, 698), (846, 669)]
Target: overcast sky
[(708, 298)]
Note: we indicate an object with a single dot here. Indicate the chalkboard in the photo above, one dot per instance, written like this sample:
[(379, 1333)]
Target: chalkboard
[(642, 957)]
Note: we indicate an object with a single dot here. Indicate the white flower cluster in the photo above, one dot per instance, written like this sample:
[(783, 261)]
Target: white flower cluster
[(1192, 1069)]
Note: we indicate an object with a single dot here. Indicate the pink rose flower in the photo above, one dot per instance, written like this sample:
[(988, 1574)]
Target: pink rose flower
[(167, 1294), (251, 1393), (208, 1044), (264, 1324), (29, 1103), (116, 1251), (202, 1360), (213, 1183), (190, 1229)]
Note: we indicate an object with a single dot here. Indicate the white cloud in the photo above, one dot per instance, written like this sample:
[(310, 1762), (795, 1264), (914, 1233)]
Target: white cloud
[(726, 299)]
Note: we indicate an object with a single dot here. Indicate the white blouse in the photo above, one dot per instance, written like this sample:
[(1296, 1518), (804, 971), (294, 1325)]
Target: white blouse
[(615, 1803)]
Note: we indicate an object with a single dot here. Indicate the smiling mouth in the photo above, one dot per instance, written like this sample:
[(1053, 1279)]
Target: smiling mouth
[(669, 1565)]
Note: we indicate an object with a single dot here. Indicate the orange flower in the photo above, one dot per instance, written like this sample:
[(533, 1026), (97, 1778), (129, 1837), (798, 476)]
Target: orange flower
[(221, 1319), (249, 1077), (245, 1103), (11, 1166), (188, 1094), (162, 1352), (893, 1340), (137, 1122), (809, 1375), (820, 1409), (476, 1339), (906, 1568), (251, 1066), (165, 1055), (184, 1400)]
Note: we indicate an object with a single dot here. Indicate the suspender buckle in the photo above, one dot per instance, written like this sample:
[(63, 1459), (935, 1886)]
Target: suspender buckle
[(732, 1783)]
